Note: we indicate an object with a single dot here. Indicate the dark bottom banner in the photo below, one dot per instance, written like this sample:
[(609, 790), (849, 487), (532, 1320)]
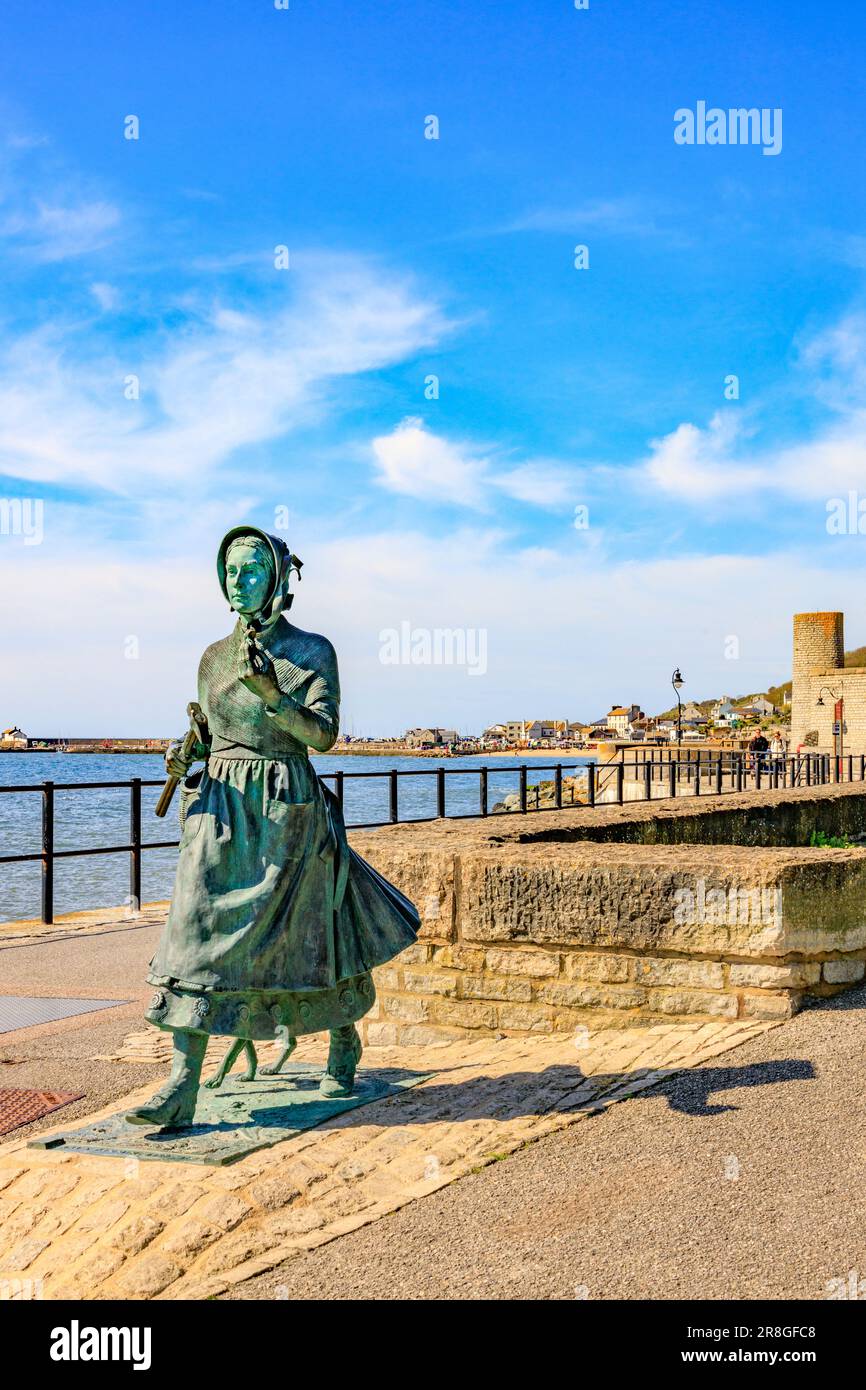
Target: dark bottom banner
[(186, 1340)]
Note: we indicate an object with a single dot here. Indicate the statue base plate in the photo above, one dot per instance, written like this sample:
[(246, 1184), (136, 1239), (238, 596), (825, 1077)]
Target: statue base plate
[(238, 1119)]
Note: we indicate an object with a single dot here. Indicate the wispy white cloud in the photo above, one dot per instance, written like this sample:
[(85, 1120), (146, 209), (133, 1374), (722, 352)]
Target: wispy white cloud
[(721, 460), (624, 216), (415, 462), (59, 231), (229, 377), (107, 296), (541, 482), (22, 140)]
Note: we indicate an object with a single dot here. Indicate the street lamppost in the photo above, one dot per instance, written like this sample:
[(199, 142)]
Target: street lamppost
[(677, 683), (839, 720)]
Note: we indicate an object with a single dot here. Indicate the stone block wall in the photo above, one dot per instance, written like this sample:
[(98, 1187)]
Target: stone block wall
[(531, 927)]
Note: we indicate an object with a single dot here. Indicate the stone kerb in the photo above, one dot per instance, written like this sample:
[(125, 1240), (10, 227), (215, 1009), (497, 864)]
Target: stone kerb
[(551, 921)]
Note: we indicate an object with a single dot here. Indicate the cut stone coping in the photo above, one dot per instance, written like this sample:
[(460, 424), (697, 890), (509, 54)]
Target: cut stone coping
[(711, 907), (723, 819)]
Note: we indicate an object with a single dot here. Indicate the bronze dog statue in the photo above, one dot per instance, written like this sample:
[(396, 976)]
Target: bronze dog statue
[(239, 1045)]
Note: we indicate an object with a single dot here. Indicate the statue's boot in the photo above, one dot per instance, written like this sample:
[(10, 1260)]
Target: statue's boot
[(344, 1055), (173, 1106)]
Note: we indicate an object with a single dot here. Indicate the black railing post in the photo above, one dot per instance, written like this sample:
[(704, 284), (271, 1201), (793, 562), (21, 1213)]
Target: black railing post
[(719, 775), (135, 841), (740, 772), (647, 781), (862, 766), (850, 767), (48, 852), (620, 783), (394, 809), (339, 789), (482, 791), (523, 788), (440, 792), (557, 786), (590, 784), (672, 778)]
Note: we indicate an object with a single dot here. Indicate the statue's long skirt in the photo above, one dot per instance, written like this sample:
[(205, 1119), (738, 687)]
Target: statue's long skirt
[(275, 923)]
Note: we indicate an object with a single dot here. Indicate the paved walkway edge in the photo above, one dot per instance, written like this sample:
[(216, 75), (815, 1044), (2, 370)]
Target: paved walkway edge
[(108, 1228)]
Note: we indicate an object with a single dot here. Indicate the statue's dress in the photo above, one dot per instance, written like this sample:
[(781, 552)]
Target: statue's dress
[(275, 922)]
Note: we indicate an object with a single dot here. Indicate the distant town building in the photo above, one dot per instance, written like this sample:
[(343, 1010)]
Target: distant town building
[(430, 738), (496, 733), (766, 709), (618, 719), (529, 731), (13, 739), (543, 729), (758, 708), (623, 717), (693, 714)]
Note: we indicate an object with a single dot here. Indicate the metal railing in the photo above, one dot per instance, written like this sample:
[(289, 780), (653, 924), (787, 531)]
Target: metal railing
[(657, 775)]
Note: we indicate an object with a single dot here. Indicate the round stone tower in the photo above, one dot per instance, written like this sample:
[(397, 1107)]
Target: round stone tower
[(819, 645)]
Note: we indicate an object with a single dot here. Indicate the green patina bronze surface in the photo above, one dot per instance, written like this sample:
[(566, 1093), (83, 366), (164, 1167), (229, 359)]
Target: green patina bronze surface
[(238, 1119), (275, 923)]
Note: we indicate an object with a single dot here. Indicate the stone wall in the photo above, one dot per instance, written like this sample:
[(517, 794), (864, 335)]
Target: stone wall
[(548, 922)]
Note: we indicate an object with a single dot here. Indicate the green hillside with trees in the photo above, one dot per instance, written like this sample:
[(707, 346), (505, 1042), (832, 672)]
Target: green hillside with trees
[(776, 693)]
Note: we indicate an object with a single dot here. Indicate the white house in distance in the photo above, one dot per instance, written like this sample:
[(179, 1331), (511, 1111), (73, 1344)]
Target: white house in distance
[(622, 717), (724, 715), (495, 733), (534, 730)]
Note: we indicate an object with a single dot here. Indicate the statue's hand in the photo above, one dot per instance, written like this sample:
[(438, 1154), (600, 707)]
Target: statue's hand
[(256, 671), (175, 765)]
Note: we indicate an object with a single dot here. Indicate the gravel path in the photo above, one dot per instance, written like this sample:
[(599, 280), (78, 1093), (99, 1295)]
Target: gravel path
[(740, 1179)]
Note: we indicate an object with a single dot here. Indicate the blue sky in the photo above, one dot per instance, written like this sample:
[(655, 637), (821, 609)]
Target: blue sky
[(301, 392)]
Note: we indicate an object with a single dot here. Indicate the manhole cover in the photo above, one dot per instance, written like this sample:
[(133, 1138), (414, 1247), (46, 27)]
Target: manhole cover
[(17, 1011), (18, 1107)]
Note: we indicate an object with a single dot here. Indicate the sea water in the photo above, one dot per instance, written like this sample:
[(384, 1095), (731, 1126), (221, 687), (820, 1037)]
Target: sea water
[(99, 817)]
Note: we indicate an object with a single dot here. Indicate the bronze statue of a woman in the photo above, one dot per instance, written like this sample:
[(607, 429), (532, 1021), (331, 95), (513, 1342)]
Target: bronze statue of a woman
[(275, 923)]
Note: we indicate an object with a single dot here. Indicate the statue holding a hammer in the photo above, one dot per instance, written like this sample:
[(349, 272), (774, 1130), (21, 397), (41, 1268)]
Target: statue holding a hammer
[(275, 923)]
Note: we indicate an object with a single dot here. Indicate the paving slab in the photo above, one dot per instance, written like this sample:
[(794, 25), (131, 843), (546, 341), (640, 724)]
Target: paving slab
[(80, 1226)]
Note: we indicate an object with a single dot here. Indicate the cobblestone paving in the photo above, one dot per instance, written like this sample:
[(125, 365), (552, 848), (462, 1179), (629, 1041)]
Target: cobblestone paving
[(79, 1227)]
